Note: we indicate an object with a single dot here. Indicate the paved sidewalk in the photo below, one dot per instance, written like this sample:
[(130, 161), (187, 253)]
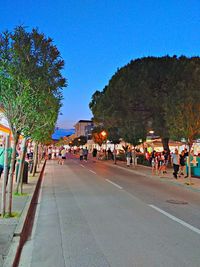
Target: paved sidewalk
[(194, 184), (8, 226)]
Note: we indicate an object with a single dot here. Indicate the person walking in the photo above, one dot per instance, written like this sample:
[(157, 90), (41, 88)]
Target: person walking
[(94, 154), (81, 154), (63, 153), (182, 163), (176, 163), (60, 156), (166, 160), (186, 157), (49, 152), (85, 154), (128, 157)]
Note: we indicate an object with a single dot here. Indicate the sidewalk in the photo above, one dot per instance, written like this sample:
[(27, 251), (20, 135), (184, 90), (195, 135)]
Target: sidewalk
[(9, 226), (146, 171)]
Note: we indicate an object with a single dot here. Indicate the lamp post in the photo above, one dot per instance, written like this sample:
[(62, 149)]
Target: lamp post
[(151, 132), (104, 134)]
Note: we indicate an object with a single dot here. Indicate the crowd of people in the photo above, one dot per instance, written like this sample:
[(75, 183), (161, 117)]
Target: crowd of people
[(159, 162), (60, 153)]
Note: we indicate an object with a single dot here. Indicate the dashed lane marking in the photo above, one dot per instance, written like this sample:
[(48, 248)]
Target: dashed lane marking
[(189, 226), (92, 171), (118, 186)]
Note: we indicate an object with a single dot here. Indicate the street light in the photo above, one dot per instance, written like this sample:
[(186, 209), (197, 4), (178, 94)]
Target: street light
[(103, 133), (79, 142)]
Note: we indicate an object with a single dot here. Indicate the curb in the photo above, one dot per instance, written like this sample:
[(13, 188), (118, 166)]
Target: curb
[(189, 187), (24, 227)]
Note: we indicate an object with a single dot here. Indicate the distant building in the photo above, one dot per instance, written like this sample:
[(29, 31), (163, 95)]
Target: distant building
[(83, 128)]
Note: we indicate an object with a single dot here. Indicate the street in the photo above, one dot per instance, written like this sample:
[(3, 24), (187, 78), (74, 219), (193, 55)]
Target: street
[(96, 214)]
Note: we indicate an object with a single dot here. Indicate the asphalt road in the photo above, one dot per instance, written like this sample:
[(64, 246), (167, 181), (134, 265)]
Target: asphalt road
[(93, 214)]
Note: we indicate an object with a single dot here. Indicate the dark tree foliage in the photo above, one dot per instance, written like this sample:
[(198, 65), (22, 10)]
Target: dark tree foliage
[(146, 94), (79, 141)]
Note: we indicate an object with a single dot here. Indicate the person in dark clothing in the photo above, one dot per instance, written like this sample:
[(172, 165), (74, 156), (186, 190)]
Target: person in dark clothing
[(110, 154), (85, 154), (94, 153), (186, 154), (182, 163)]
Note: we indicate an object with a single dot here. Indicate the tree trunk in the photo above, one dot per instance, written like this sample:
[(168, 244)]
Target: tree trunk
[(21, 167), (165, 143), (11, 173), (35, 159), (3, 199)]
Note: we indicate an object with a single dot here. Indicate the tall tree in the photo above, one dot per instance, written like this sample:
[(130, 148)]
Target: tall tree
[(183, 105), (140, 91), (31, 65)]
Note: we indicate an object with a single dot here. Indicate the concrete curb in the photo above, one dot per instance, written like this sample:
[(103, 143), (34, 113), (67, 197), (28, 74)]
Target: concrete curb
[(24, 226), (162, 179), (8, 262)]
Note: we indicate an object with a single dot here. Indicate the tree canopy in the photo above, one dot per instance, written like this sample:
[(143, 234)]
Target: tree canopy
[(150, 93), (31, 86)]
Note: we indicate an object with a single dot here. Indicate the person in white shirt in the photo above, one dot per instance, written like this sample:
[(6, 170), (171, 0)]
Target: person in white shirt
[(63, 153), (175, 162)]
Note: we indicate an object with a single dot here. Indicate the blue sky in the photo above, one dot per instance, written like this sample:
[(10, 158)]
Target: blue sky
[(97, 37)]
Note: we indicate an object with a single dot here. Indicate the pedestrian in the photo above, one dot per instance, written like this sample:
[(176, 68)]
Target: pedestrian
[(63, 153), (57, 152), (94, 153), (175, 162), (49, 153), (182, 163), (60, 156), (186, 156), (166, 160), (163, 162), (81, 154), (154, 163), (53, 153), (128, 157), (110, 156), (85, 153)]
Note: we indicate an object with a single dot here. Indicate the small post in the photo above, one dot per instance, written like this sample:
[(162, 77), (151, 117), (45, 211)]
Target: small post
[(5, 177)]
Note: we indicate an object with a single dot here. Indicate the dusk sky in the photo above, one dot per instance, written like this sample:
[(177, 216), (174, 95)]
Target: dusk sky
[(97, 37)]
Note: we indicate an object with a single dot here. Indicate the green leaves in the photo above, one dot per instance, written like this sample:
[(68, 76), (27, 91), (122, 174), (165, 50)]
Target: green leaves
[(158, 93), (30, 82)]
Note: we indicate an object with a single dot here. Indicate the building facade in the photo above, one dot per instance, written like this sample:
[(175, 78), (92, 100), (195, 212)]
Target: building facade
[(82, 126)]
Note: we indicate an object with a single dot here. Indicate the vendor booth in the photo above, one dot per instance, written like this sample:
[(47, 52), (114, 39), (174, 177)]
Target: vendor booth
[(195, 166)]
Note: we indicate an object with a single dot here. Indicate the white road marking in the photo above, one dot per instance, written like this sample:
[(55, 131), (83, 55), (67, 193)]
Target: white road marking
[(118, 186), (194, 229), (92, 171), (82, 165)]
